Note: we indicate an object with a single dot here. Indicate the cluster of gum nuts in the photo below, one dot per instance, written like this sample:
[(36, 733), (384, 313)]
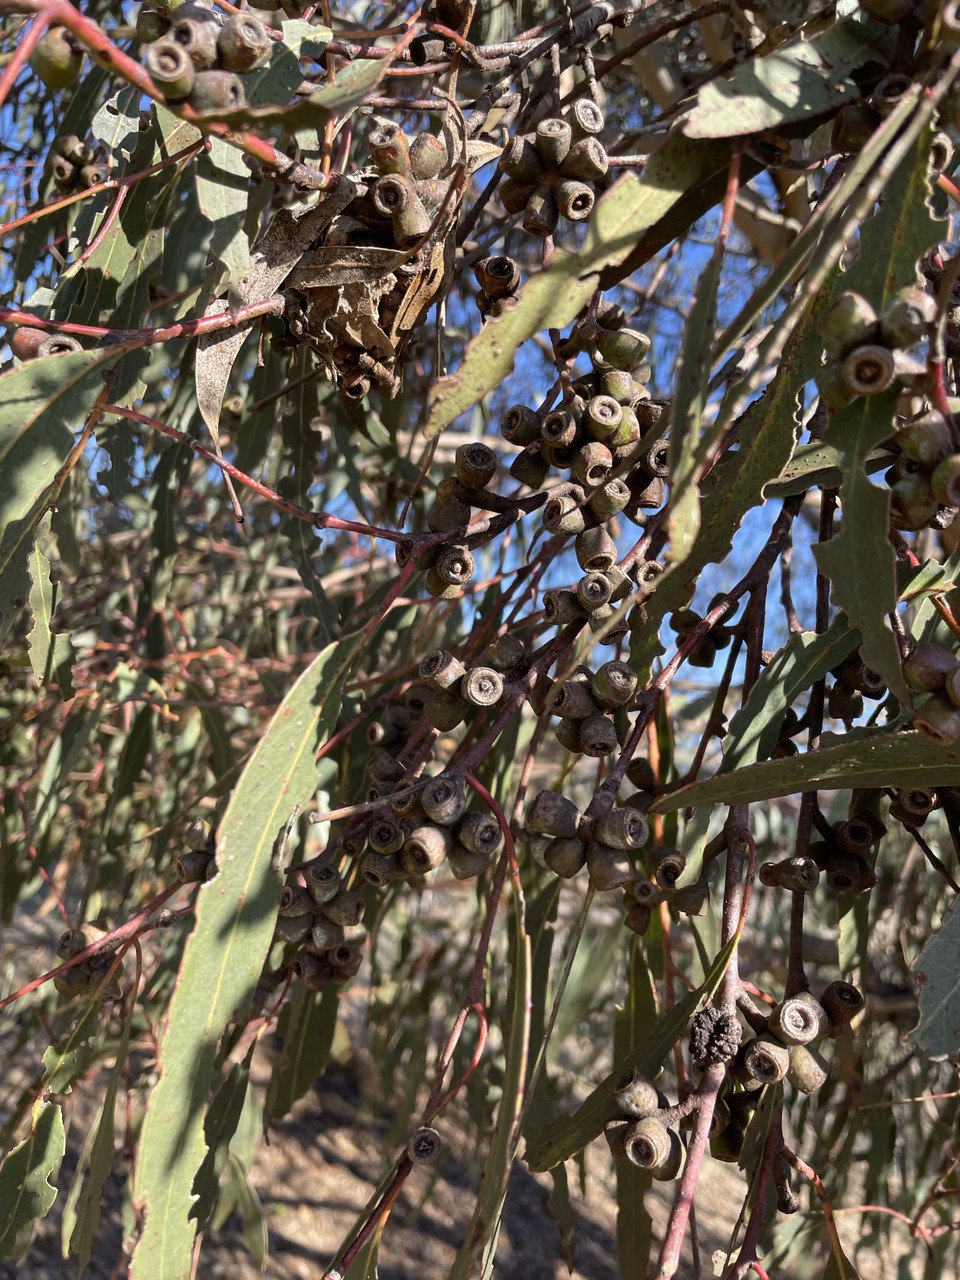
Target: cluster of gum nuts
[(551, 174), (74, 166), (197, 55), (644, 1128)]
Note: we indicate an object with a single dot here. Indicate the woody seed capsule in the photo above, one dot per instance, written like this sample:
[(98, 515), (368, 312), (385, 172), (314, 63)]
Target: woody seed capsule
[(565, 856), (323, 881), (482, 687), (597, 736), (623, 828), (586, 161), (800, 1019), (455, 565), (613, 684), (608, 868), (552, 814), (440, 669), (346, 908), (647, 1143), (475, 464), (541, 215), (808, 1069), (444, 800), (390, 148), (562, 606), (553, 140), (428, 155), (243, 42), (480, 833), (381, 869), (635, 1095), (425, 848)]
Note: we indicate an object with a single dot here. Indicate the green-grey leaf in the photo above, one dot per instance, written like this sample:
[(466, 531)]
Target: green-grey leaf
[(937, 968), (880, 759), (307, 1024), (51, 652), (799, 80), (41, 404), (73, 1056), (25, 1191), (552, 297), (221, 963), (859, 560)]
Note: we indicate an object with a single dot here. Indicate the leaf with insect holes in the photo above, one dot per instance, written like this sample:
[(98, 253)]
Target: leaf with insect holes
[(26, 1193)]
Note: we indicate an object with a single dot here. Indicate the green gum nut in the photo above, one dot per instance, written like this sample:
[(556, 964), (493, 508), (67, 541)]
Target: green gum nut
[(912, 503), (553, 140), (832, 386), (428, 156), (151, 25), (57, 60), (521, 160), (622, 349), (541, 215), (170, 68), (574, 200), (906, 319), (520, 425), (216, 91), (849, 323), (945, 481), (927, 440)]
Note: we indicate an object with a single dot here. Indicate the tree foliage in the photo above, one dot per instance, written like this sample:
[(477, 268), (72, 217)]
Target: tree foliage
[(401, 407)]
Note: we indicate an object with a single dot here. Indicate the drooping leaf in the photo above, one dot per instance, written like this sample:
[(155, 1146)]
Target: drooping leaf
[(882, 758), (51, 652), (937, 969), (307, 1025), (485, 1223), (634, 1223), (221, 963), (859, 560), (26, 1193), (41, 404), (88, 1193), (72, 1057)]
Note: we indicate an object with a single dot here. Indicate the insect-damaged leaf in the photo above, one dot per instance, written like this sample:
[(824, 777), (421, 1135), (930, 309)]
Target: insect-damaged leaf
[(25, 1190)]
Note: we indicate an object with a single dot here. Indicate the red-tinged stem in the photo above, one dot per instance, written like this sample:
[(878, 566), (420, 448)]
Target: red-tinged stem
[(31, 38), (707, 1093), (319, 519), (807, 1172), (132, 339), (112, 58), (120, 934)]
